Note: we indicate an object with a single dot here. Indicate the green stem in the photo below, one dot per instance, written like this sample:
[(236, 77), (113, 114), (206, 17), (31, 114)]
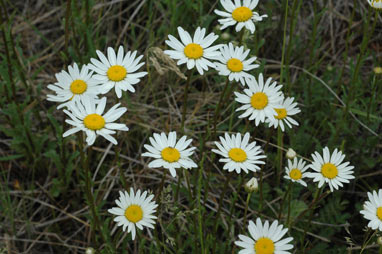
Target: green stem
[(279, 154), (364, 245), (177, 188), (345, 54), (373, 92), (289, 202), (185, 97), (188, 185), (284, 41), (200, 219), (246, 209), (161, 187), (364, 44), (294, 15), (89, 195), (217, 110), (67, 15), (312, 47), (261, 172), (316, 195), (283, 200), (216, 223)]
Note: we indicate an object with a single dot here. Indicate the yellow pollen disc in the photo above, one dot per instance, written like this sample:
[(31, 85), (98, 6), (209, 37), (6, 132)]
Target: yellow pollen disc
[(281, 113), (264, 245), (295, 174), (78, 86), (242, 14), (94, 122), (259, 100), (237, 154), (235, 65), (329, 170), (379, 212), (134, 213), (193, 51), (170, 154), (116, 73)]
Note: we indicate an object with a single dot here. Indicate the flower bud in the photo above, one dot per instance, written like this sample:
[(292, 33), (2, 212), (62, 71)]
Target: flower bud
[(225, 36), (379, 240), (291, 154), (378, 70), (251, 185), (90, 250)]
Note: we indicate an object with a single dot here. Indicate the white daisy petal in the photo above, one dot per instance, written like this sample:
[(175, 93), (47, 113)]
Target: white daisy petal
[(329, 172), (238, 154), (193, 51), (265, 239), (116, 69), (169, 153), (74, 86), (134, 210), (87, 115)]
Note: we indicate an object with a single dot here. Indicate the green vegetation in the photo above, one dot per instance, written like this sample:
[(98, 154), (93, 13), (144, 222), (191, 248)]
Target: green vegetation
[(322, 51)]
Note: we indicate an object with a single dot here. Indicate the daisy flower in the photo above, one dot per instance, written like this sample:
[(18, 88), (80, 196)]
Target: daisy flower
[(238, 153), (265, 239), (74, 86), (373, 210), (233, 63), (117, 70), (168, 153), (295, 171), (376, 4), (285, 110), (330, 169), (239, 13), (194, 51), (88, 116), (134, 210), (259, 99)]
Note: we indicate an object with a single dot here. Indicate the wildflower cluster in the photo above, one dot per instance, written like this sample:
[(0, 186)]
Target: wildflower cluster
[(79, 92)]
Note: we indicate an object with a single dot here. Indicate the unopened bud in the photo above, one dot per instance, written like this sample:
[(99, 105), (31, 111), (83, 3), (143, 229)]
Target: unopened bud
[(378, 70), (251, 185), (90, 250), (225, 36), (291, 154), (379, 240)]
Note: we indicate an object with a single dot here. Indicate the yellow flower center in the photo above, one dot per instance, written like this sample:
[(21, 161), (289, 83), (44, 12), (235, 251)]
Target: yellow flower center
[(134, 213), (94, 122), (295, 174), (116, 73), (193, 51), (379, 212), (170, 154), (259, 100), (329, 170), (78, 86), (281, 113), (237, 154), (264, 246), (242, 14), (235, 65)]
